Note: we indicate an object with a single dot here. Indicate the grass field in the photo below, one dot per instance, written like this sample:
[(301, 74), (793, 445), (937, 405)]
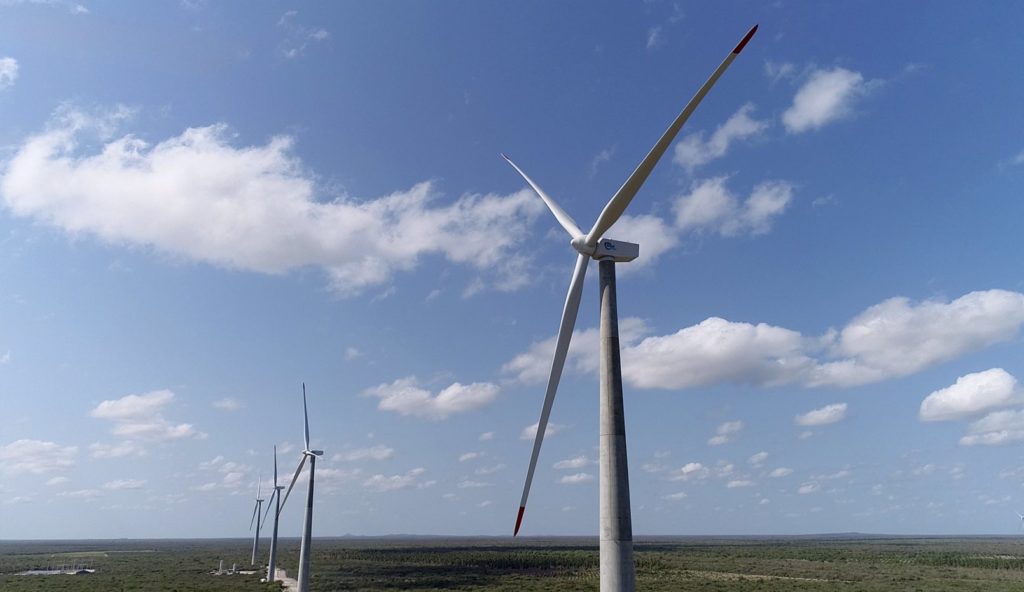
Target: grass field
[(690, 563)]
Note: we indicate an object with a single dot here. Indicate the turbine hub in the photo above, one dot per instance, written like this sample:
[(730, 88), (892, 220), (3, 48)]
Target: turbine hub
[(580, 244)]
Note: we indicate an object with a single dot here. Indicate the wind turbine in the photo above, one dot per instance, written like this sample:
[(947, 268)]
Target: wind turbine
[(1021, 516), (255, 519), (617, 570), (276, 496), (307, 527)]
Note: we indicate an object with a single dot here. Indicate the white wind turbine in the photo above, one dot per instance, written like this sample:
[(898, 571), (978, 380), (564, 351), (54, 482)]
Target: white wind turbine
[(255, 519), (1021, 516), (617, 571), (276, 496), (307, 527)]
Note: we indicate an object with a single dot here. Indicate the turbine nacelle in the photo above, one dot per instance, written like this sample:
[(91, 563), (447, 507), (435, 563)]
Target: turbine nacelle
[(313, 452), (618, 251)]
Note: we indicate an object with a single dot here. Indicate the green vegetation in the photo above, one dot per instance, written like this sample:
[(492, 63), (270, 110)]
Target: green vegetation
[(855, 564)]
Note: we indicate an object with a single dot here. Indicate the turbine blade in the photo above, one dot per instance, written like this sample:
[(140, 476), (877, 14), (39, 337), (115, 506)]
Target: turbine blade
[(298, 469), (305, 416), (569, 312), (618, 203), (269, 506), (255, 508), (259, 485), (275, 467), (563, 218)]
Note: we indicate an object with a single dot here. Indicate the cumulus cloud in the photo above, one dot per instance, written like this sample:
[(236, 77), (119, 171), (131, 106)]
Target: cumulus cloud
[(576, 479), (404, 397), (711, 206), (995, 429), (892, 339), (486, 436), (758, 459), (715, 351), (781, 472), (655, 235), (36, 457), (823, 416), (256, 208), (8, 72), (693, 150), (971, 395), (530, 431), (140, 417), (725, 432), (826, 96), (739, 483), (534, 365), (810, 487), (378, 452), (693, 471), (468, 456)]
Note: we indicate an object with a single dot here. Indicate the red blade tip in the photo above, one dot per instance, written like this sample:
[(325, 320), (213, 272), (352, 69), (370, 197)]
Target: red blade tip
[(746, 38), (519, 520)]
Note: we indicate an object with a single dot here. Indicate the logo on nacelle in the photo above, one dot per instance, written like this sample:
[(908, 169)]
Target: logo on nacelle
[(609, 246)]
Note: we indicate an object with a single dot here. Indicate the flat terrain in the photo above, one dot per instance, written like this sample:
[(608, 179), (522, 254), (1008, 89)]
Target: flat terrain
[(848, 563)]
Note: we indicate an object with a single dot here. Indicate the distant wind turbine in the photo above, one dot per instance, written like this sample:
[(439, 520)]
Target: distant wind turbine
[(1021, 516), (276, 496), (617, 570), (255, 519), (307, 527)]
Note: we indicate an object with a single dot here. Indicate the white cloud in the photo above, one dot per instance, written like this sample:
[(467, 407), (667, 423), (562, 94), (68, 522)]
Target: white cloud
[(8, 72), (758, 459), (486, 436), (254, 208), (828, 95), (897, 338), (652, 232), (116, 450), (602, 157), (471, 484), (576, 462), (781, 472), (674, 497), (382, 483), (530, 431), (299, 37), (139, 417), (822, 416), (470, 456), (810, 487), (36, 457), (739, 483), (693, 471), (489, 470), (995, 429), (404, 397), (228, 404), (711, 206), (352, 353), (693, 151), (777, 71), (716, 351), (534, 365), (725, 432), (378, 452), (971, 395), (576, 479), (889, 340), (125, 484), (57, 481), (654, 37)]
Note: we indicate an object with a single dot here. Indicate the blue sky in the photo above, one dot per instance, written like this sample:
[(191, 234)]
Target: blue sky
[(203, 205)]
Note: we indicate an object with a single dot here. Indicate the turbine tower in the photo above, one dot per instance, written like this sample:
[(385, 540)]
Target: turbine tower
[(276, 496), (255, 519), (307, 527), (617, 569)]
